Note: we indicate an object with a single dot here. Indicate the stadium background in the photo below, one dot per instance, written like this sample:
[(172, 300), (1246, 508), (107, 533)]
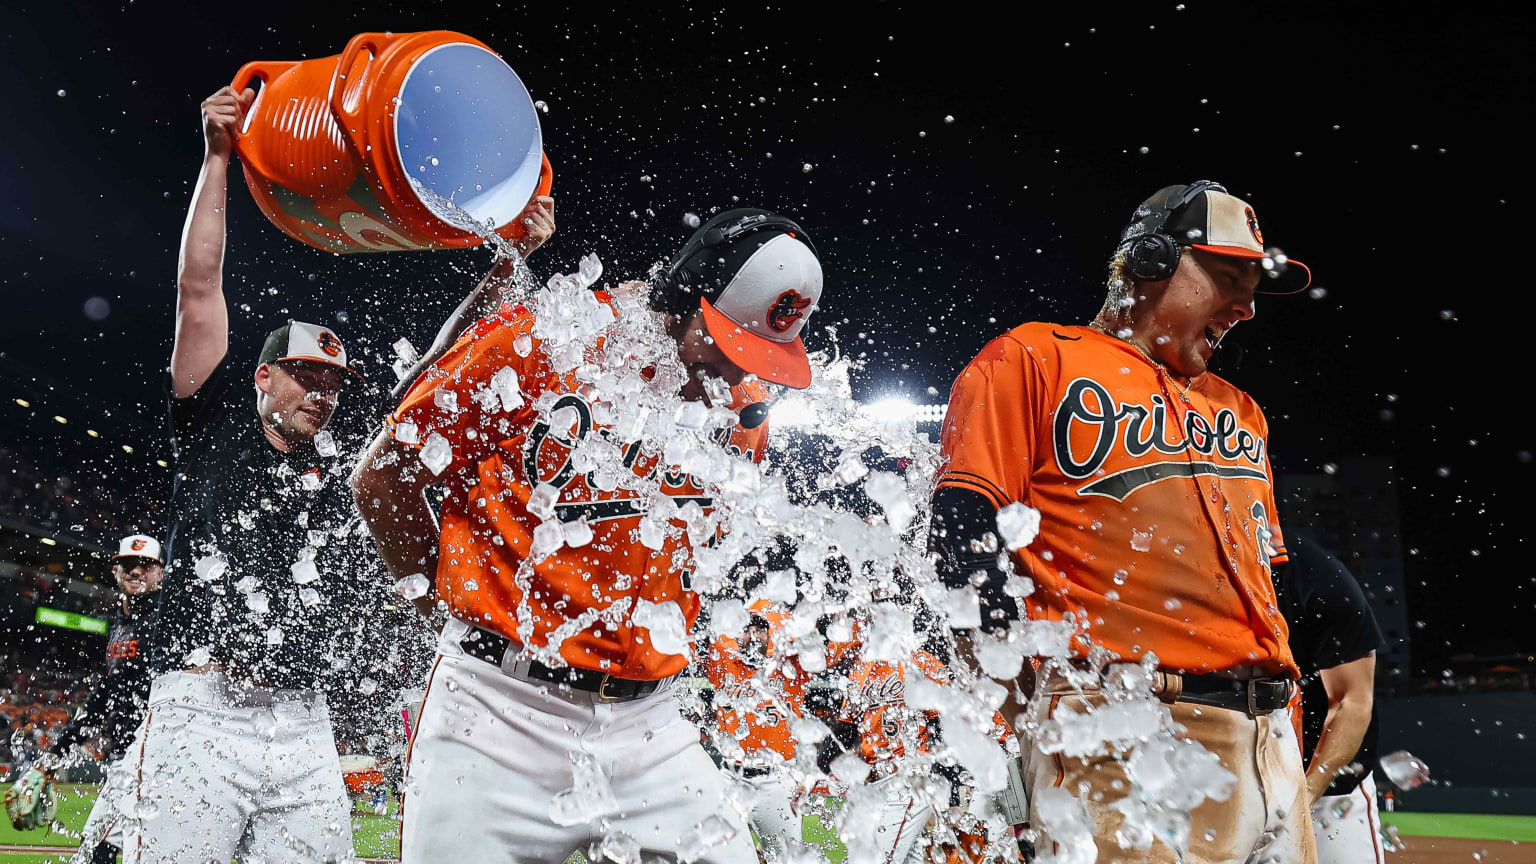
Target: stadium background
[(1378, 149)]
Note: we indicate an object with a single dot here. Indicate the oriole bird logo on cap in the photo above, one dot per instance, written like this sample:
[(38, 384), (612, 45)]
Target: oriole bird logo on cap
[(329, 343), (786, 309), (138, 545), (1253, 225)]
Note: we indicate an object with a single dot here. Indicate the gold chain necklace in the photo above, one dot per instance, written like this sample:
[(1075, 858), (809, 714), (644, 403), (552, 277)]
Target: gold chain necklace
[(1183, 394)]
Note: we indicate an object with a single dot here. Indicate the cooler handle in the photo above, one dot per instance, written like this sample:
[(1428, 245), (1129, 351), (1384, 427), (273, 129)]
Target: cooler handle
[(376, 43), (265, 70)]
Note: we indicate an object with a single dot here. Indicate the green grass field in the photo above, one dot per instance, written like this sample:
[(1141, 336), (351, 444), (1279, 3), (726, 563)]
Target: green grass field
[(375, 836)]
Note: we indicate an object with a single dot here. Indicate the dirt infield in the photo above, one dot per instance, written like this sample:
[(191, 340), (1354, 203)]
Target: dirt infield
[(1445, 850)]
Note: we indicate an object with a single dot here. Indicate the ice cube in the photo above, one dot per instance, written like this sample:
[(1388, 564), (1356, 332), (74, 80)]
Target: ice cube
[(311, 480), (505, 385), (316, 539), (1404, 769), (367, 686), (589, 270), (547, 540), (850, 768), (405, 350), (309, 597), (446, 399), (980, 755), (198, 657), (653, 534), (890, 492), (668, 628), (890, 637), (562, 421), (304, 572), (691, 415), (406, 432), (436, 454), (523, 345), (619, 848), (589, 799), (210, 568), (274, 635), (713, 831), (729, 617), (257, 602), (412, 586), (850, 470), (718, 391), (541, 502), (1018, 524), (577, 533), (964, 608), (325, 443), (779, 587), (999, 659)]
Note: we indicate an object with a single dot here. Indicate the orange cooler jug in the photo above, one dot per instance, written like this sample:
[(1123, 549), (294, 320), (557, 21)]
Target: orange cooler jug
[(358, 152)]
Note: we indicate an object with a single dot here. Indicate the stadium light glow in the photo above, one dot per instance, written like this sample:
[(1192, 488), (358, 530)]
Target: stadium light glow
[(48, 541), (23, 403), (127, 449), (58, 419), (162, 463), (890, 410), (93, 433)]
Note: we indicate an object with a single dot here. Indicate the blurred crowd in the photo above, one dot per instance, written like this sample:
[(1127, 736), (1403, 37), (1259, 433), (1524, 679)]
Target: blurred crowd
[(34, 705)]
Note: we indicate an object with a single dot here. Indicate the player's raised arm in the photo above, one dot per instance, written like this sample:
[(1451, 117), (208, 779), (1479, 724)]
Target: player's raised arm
[(202, 319), (538, 219), (389, 486)]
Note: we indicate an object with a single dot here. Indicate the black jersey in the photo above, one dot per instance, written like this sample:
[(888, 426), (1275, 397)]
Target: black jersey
[(256, 553), (1331, 624), (117, 699)]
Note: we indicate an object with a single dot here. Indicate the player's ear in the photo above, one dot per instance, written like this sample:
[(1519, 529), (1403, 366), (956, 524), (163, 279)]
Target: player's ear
[(264, 378)]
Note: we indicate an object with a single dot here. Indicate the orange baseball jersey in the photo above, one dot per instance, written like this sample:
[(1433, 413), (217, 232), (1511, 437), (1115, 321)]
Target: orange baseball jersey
[(1156, 499), (878, 693), (579, 597), (767, 726)]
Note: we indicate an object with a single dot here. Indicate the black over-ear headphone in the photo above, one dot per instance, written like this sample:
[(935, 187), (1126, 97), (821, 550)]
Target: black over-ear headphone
[(724, 229), (1153, 254)]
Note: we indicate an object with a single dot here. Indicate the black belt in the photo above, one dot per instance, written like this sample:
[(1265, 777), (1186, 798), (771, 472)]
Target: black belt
[(1252, 696), (492, 648)]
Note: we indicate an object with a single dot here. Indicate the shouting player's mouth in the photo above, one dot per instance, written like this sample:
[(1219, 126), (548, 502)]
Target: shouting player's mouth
[(1213, 335)]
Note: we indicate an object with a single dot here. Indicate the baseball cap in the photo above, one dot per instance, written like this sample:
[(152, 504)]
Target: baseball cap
[(311, 343), (139, 546), (758, 279), (1204, 216)]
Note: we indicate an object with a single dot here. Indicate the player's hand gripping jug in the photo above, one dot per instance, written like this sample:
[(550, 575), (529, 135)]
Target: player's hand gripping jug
[(402, 141)]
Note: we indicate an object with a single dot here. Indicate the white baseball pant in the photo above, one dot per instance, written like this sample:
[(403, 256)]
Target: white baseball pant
[(1348, 827), (773, 817), (224, 771), (106, 821), (883, 823), (491, 752)]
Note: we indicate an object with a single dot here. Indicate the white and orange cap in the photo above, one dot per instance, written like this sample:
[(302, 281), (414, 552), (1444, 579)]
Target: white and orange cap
[(311, 343), (139, 546), (757, 279), (1205, 216)]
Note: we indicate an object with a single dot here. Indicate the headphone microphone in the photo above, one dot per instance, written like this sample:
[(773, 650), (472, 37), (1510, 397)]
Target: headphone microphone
[(754, 415)]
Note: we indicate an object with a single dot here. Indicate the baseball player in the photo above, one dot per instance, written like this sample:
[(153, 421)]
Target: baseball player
[(754, 700), (1157, 532), (236, 757), (116, 706), (112, 711), (502, 732), (1334, 638)]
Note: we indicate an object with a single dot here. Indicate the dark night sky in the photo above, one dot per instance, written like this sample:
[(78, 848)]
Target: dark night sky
[(1381, 150)]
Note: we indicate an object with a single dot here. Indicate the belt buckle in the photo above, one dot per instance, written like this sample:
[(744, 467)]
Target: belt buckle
[(1253, 695), (602, 688)]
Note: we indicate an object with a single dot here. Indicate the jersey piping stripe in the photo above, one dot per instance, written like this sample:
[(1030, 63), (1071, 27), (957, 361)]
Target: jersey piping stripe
[(977, 478), (138, 789), (1370, 821), (411, 745), (905, 815), (983, 491)]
